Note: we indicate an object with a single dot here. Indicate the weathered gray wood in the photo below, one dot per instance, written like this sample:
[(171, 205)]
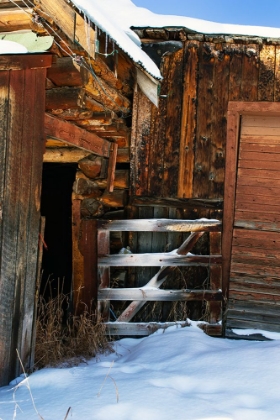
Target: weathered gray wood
[(161, 225), (159, 259), (129, 328), (178, 203), (154, 294), (159, 278)]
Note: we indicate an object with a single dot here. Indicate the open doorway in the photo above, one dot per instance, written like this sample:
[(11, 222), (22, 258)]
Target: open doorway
[(56, 204)]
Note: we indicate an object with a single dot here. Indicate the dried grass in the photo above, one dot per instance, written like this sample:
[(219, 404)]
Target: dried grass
[(66, 339)]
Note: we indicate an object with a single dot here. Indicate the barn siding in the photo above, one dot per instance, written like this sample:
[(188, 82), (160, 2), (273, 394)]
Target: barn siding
[(22, 94), (213, 73)]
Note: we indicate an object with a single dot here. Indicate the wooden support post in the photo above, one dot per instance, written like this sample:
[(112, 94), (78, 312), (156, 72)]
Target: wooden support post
[(89, 250), (112, 167), (215, 308), (103, 244)]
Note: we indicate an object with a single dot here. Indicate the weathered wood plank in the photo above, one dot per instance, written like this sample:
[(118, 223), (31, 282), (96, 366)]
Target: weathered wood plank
[(250, 173), (250, 156), (141, 329), (153, 294), (261, 131), (88, 246), (25, 61), (140, 143), (250, 74), (229, 196), (173, 121), (266, 326), (112, 167), (103, 247), (219, 124), (15, 19), (180, 203), (266, 73), (259, 121), (71, 23), (158, 260), (215, 277), (206, 81), (160, 277), (160, 225), (188, 121), (253, 197), (71, 134), (265, 147)]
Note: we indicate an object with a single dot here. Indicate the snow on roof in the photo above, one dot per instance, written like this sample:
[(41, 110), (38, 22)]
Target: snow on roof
[(116, 17)]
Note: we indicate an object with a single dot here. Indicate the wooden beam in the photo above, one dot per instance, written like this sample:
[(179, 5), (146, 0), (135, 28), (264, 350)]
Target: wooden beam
[(70, 22), (159, 260), (25, 61), (65, 155), (139, 328), (76, 136), (161, 225), (159, 295), (181, 203), (15, 19), (112, 167)]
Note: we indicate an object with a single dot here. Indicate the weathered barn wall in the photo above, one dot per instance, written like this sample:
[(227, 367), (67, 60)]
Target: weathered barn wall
[(178, 150)]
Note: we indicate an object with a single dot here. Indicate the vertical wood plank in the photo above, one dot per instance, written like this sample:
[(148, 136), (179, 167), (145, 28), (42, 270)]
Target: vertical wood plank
[(219, 124), (277, 74), (204, 119), (229, 195), (103, 244), (112, 167), (250, 74), (140, 144), (188, 121), (215, 308), (173, 124), (77, 258), (266, 73), (36, 78), (235, 74), (89, 247)]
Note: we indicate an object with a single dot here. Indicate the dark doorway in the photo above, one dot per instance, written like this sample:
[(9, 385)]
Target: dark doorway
[(57, 184)]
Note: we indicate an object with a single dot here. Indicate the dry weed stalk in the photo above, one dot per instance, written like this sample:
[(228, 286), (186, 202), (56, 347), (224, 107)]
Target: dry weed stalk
[(65, 338)]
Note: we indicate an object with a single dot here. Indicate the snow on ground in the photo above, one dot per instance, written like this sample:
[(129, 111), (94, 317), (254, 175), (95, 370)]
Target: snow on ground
[(180, 374)]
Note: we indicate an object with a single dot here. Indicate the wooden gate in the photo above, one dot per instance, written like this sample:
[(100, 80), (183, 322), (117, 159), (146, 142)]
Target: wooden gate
[(251, 236), (97, 271)]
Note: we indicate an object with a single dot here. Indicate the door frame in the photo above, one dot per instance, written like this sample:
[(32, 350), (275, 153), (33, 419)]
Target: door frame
[(235, 111)]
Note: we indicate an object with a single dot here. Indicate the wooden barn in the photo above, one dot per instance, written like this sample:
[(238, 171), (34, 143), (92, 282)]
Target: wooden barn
[(139, 170)]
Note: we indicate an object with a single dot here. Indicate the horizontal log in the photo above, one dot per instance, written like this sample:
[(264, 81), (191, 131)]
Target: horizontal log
[(161, 225), (110, 97), (67, 154), (15, 19), (71, 134), (64, 73), (159, 295), (59, 99), (177, 202), (25, 61), (121, 179), (140, 328), (159, 260), (94, 166), (90, 207), (241, 323), (64, 155), (117, 198)]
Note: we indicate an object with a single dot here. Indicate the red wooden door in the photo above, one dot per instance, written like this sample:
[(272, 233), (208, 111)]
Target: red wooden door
[(252, 223)]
